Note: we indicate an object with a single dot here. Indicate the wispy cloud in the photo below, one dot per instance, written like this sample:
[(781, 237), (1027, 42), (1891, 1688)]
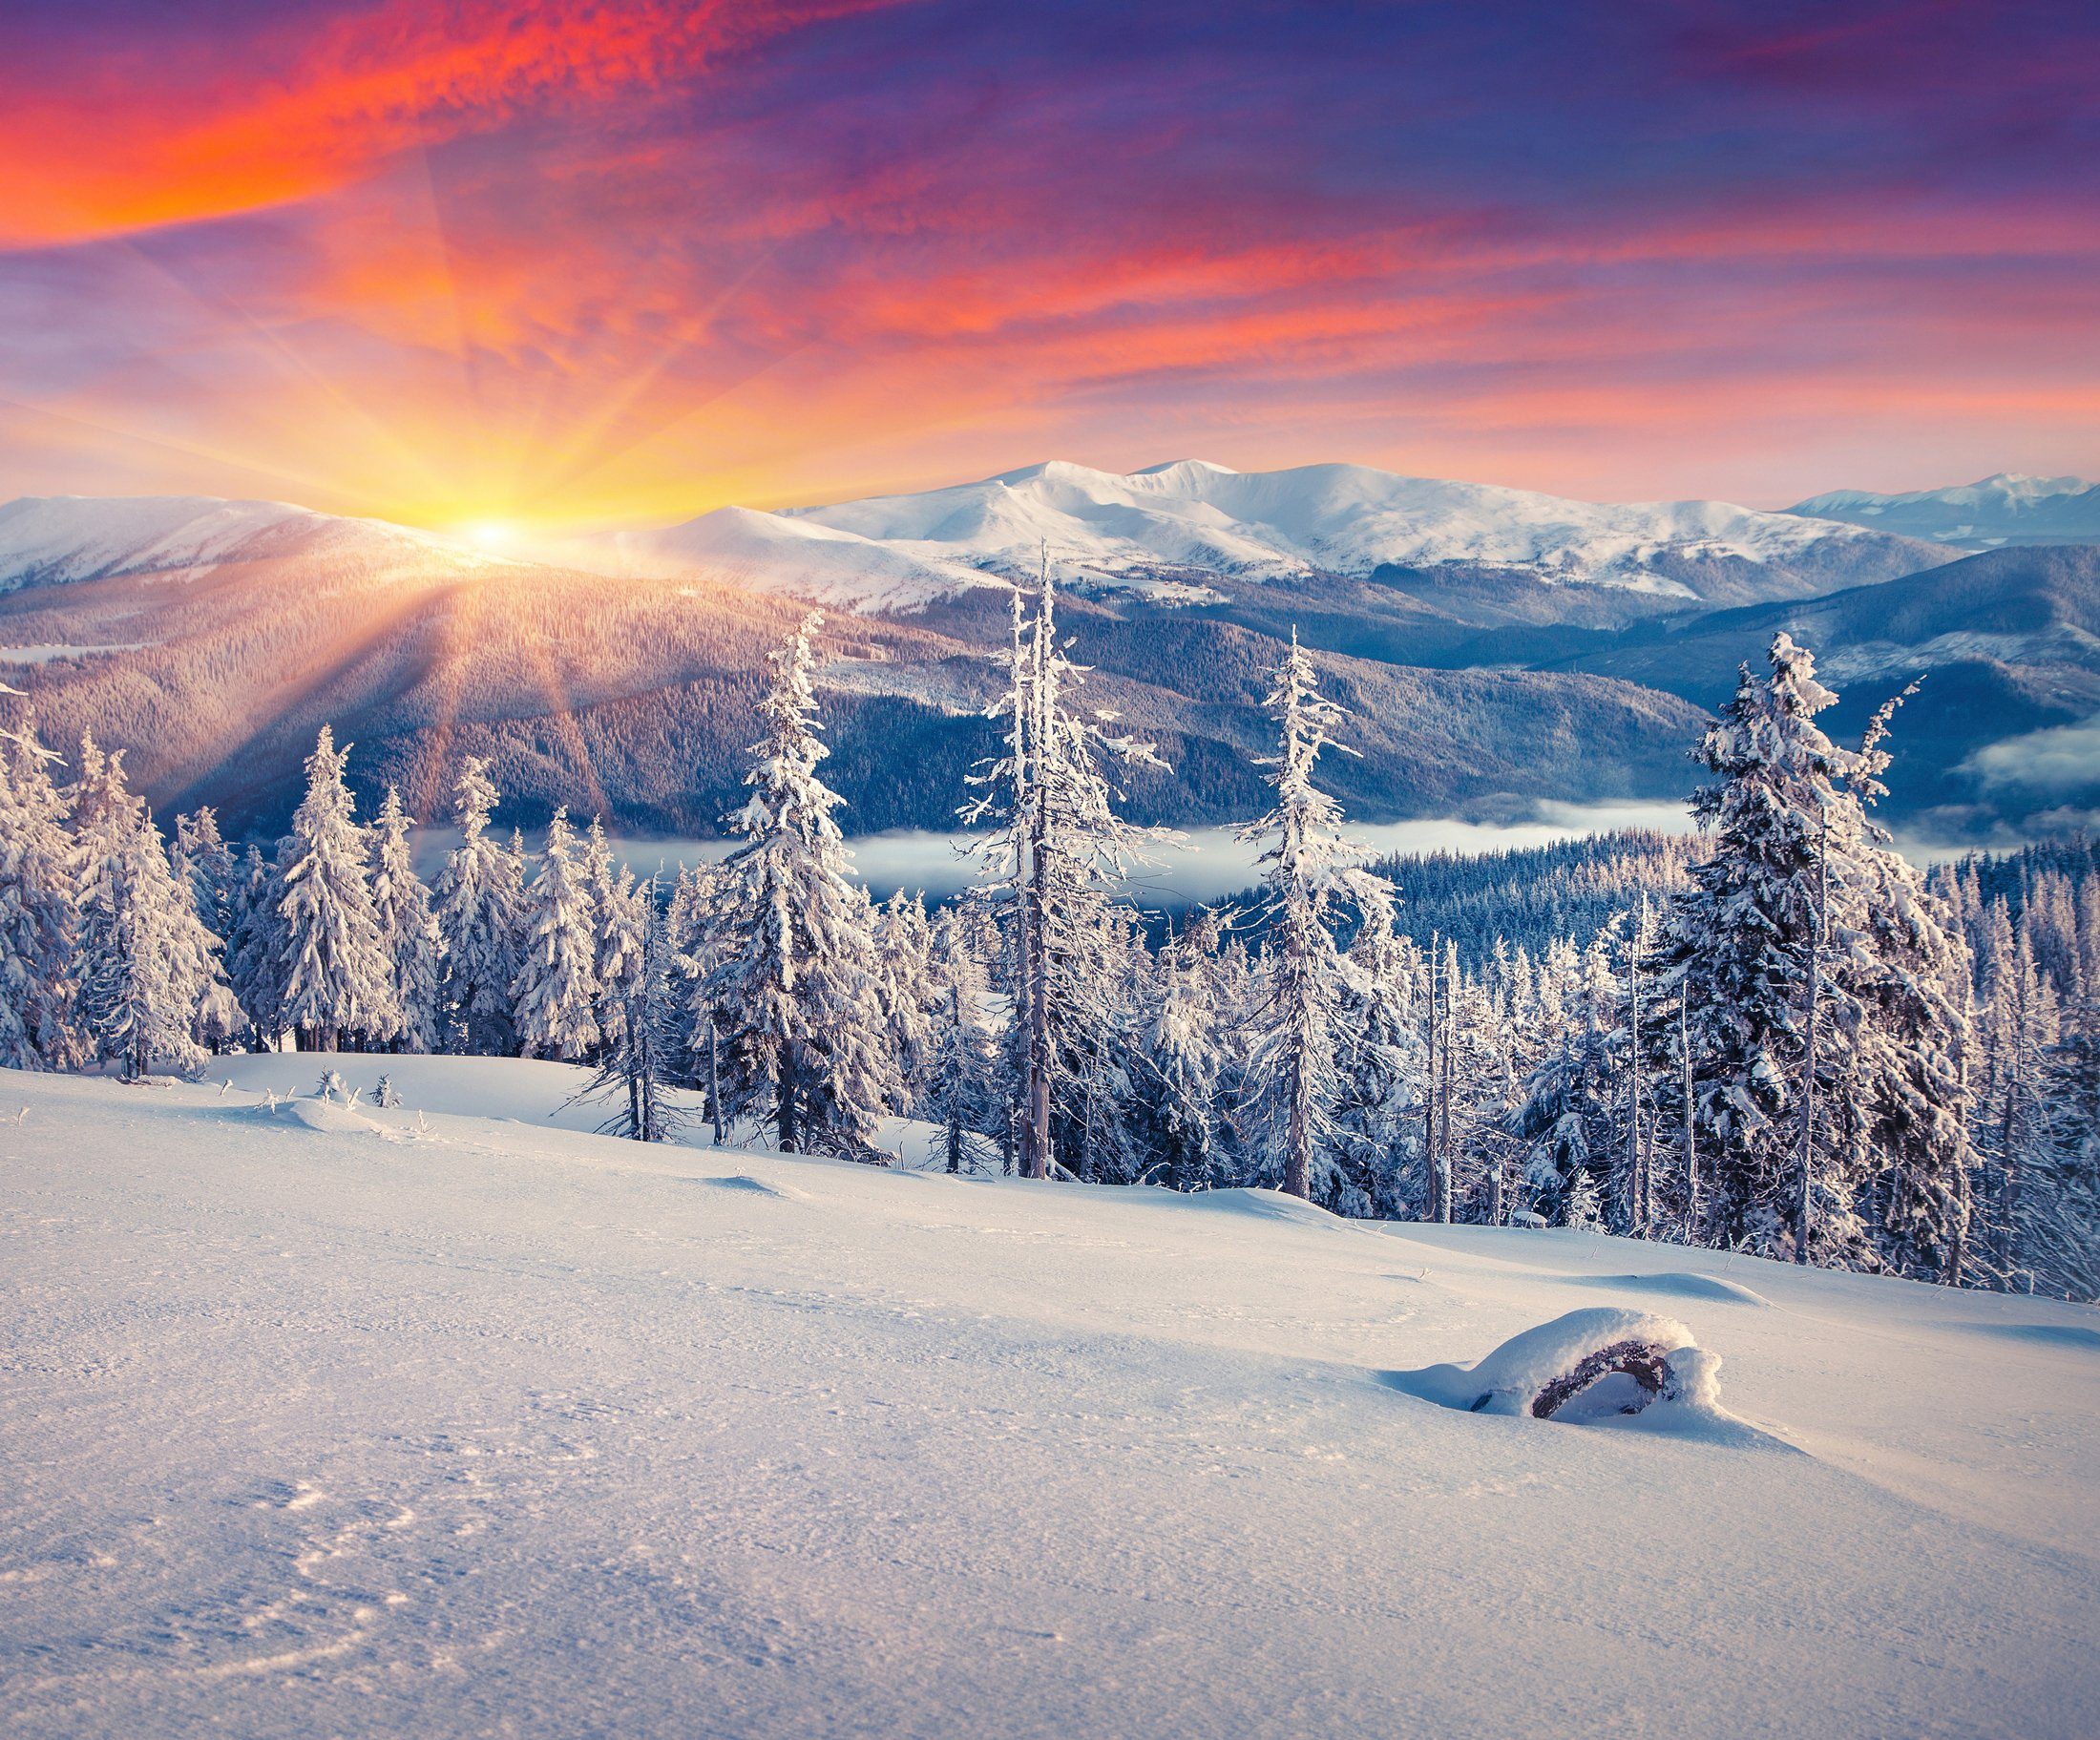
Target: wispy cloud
[(622, 260)]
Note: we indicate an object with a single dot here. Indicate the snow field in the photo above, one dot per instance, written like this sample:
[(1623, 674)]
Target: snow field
[(457, 1419)]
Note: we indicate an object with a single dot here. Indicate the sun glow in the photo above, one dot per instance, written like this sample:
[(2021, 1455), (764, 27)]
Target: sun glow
[(491, 534)]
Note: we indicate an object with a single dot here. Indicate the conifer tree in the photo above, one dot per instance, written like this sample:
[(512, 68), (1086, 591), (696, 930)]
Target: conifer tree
[(475, 902), (603, 900), (796, 978), (338, 974), (408, 929), (1824, 1030), (254, 962), (1182, 1065), (1293, 1074), (1377, 1123), (39, 916), (557, 990), (958, 1085), (146, 960), (1052, 860), (640, 1059), (211, 871)]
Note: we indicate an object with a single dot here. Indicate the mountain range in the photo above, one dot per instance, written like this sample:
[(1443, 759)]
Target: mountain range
[(1178, 533), (2004, 509), (1496, 649)]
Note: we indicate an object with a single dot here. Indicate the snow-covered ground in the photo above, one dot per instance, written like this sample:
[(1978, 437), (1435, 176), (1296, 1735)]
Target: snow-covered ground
[(460, 1421)]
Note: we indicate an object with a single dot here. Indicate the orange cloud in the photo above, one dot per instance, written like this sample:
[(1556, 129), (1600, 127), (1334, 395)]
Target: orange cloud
[(110, 144)]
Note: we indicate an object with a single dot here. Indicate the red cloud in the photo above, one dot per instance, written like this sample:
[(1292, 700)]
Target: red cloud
[(111, 143)]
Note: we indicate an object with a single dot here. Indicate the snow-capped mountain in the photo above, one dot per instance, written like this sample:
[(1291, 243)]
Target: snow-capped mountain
[(48, 540), (1190, 523), (2004, 509)]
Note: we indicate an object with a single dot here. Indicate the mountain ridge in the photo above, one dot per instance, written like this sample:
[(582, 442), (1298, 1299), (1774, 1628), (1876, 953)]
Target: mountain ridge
[(2005, 507), (1176, 530)]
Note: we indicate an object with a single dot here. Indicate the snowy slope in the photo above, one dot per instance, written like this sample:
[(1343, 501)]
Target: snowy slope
[(2004, 509), (48, 540), (323, 1423), (1192, 519)]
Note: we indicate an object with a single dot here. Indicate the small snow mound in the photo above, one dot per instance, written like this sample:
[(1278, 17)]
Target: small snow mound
[(327, 1116), (1590, 1367), (1516, 1375), (1264, 1204), (1683, 1285), (747, 1186)]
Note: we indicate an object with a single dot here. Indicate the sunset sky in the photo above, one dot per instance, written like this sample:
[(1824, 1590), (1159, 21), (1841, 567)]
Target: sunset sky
[(571, 265)]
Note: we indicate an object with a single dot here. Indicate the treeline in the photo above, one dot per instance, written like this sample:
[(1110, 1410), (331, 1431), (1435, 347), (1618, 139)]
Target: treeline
[(1779, 1038)]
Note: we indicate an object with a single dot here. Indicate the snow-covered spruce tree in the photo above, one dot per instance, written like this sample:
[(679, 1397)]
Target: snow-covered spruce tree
[(1376, 1126), (1908, 969), (212, 873), (640, 1060), (603, 894), (796, 978), (1579, 1210), (556, 994), (204, 865), (146, 960), (408, 929), (39, 888), (1180, 1065), (957, 1084), (1572, 1114), (475, 902), (693, 920), (904, 979), (254, 961), (2056, 1233), (1093, 1132), (338, 973), (1820, 1043), (1052, 859), (1294, 1078)]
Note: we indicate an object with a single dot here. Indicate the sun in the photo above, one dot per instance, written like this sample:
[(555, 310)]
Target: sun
[(490, 534)]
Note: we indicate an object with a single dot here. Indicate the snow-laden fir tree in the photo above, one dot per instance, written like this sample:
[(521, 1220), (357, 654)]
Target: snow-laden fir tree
[(1180, 1066), (603, 894), (38, 909), (475, 903), (1293, 1076), (796, 982), (555, 995), (1907, 967), (211, 871), (693, 921), (1377, 1124), (146, 961), (408, 928), (1820, 1032), (1053, 857), (338, 973), (642, 1057), (1570, 1117), (956, 1086), (253, 963), (205, 865)]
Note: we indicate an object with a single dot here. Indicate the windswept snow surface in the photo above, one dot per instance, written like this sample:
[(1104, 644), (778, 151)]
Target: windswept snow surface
[(1174, 524), (452, 1422)]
